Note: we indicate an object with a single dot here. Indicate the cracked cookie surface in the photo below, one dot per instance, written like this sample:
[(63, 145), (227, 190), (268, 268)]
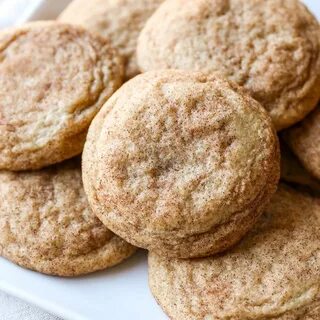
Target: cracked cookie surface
[(271, 48), (46, 223), (182, 163), (274, 273), (54, 79), (120, 21)]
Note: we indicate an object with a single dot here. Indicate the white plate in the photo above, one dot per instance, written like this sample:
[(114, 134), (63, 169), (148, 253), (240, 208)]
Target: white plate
[(119, 293)]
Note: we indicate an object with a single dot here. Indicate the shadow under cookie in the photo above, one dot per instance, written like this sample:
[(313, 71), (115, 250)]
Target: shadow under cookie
[(304, 141), (293, 172)]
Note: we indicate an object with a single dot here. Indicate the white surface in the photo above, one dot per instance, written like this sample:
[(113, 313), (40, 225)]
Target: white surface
[(12, 308), (119, 293), (13, 12)]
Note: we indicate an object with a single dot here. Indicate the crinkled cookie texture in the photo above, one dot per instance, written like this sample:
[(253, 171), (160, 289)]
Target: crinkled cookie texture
[(47, 225), (304, 140), (274, 273), (269, 47), (181, 163), (54, 79), (120, 21)]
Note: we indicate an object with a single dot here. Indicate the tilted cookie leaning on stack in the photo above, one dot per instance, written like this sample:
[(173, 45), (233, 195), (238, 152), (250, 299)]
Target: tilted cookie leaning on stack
[(181, 163), (120, 21), (54, 79), (271, 48)]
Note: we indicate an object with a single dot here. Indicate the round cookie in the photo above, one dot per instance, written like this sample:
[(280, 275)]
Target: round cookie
[(120, 21), (304, 140), (181, 163), (54, 79), (46, 223), (274, 273), (271, 48)]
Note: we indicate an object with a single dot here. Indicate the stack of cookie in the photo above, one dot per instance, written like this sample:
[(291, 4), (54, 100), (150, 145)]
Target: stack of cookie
[(182, 160), (184, 163), (54, 79)]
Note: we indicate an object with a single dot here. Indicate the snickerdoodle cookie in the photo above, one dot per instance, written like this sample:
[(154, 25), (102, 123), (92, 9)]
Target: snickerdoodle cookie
[(274, 273), (269, 47), (54, 79), (304, 140), (181, 163), (46, 223), (118, 20)]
